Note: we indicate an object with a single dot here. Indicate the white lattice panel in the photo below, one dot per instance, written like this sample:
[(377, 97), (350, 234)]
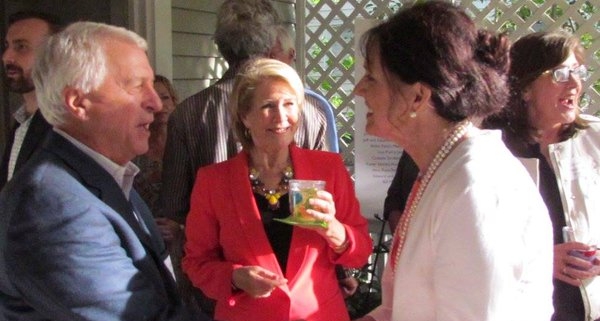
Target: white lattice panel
[(329, 39)]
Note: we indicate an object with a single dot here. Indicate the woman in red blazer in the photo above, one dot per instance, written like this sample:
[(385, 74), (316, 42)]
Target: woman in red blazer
[(256, 267)]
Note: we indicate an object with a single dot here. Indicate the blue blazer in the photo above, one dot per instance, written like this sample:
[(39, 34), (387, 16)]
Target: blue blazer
[(71, 247)]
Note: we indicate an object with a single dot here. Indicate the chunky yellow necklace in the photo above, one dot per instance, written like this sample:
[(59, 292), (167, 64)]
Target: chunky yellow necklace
[(271, 195), (415, 196)]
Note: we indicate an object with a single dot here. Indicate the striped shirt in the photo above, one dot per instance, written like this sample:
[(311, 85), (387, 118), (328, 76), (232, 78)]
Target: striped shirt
[(200, 134), (24, 121)]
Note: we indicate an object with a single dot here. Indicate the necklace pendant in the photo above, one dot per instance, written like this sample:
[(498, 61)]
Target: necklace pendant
[(273, 199), (271, 195)]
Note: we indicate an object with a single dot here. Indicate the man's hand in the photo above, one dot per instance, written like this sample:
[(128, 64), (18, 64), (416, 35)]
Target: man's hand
[(348, 285)]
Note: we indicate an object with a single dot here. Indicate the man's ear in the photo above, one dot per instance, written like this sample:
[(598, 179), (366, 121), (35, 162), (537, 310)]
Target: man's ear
[(76, 102)]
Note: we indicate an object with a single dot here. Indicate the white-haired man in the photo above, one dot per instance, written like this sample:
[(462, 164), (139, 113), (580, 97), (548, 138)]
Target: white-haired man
[(76, 241)]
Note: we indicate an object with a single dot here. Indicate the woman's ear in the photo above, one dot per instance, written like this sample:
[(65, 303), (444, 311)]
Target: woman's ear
[(422, 94), (76, 102), (245, 121)]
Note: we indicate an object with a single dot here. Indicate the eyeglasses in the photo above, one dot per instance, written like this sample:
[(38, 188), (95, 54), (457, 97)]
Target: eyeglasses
[(563, 74)]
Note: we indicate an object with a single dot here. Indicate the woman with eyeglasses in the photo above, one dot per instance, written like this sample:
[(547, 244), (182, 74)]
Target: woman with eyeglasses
[(543, 120)]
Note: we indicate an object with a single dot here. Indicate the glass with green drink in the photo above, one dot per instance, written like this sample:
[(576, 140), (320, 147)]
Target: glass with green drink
[(300, 192)]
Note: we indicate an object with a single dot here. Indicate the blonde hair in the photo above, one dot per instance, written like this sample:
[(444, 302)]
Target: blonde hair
[(253, 73), (167, 83)]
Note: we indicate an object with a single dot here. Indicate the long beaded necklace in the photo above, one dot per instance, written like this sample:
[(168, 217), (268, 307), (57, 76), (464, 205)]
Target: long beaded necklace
[(271, 195), (419, 189)]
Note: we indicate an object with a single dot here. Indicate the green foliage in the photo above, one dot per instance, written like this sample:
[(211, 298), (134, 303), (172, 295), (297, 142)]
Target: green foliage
[(508, 27), (524, 13), (555, 12), (587, 10), (596, 86), (336, 101), (348, 62), (316, 51), (586, 40), (347, 138)]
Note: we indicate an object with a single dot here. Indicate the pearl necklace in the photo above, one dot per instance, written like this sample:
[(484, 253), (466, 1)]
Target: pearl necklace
[(271, 195), (415, 197)]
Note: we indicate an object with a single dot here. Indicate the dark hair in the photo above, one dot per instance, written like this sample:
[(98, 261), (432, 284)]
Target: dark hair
[(54, 22), (436, 43), (531, 56)]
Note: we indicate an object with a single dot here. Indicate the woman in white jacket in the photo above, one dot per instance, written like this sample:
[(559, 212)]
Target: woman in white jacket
[(543, 121), (474, 242)]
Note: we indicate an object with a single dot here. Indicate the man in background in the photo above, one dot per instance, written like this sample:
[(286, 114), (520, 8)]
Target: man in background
[(27, 32), (76, 241)]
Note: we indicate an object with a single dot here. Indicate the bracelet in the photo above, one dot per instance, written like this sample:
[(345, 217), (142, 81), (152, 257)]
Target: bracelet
[(342, 247)]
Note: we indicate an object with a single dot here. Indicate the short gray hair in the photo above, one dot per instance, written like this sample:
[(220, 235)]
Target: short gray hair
[(74, 57), (284, 37), (244, 29)]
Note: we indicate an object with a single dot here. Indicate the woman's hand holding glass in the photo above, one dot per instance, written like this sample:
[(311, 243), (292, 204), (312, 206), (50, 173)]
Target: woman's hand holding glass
[(575, 261), (572, 269), (323, 209), (256, 281)]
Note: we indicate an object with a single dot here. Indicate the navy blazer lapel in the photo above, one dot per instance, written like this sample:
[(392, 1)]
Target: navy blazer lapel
[(6, 155), (38, 129), (160, 252), (144, 214), (98, 181)]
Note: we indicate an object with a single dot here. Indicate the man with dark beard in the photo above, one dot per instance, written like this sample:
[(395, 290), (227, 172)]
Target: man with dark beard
[(27, 31)]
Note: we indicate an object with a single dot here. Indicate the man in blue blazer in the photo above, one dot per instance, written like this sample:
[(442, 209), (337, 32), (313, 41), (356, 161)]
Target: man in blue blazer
[(76, 241)]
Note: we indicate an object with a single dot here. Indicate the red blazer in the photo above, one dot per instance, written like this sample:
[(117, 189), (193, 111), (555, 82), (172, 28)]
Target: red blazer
[(224, 231)]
